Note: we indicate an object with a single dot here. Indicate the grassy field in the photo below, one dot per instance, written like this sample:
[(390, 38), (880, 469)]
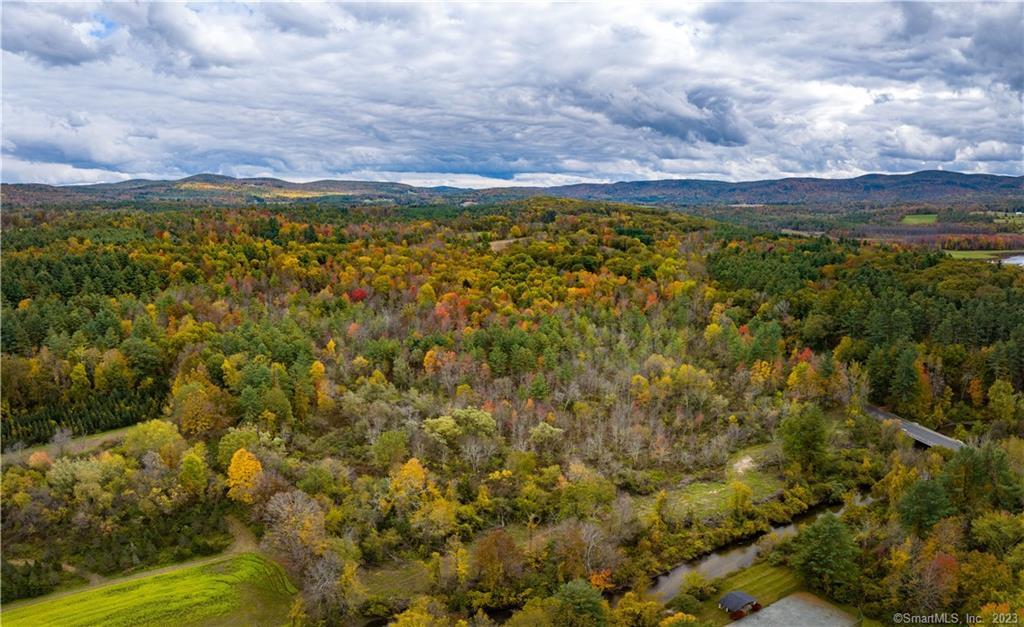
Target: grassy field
[(982, 254), (242, 590), (765, 583), (920, 218), (707, 498), (402, 580)]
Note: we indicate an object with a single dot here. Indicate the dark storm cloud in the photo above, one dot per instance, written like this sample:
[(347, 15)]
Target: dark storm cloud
[(467, 94)]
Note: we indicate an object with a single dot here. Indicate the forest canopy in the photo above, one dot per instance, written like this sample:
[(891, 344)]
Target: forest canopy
[(525, 407)]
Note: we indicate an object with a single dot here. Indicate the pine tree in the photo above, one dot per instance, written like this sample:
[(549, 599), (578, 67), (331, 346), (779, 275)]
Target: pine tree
[(825, 557)]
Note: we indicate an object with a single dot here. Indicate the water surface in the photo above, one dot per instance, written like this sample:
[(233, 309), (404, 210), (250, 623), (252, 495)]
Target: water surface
[(734, 557)]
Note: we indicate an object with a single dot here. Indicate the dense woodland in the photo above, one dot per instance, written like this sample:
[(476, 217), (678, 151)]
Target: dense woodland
[(509, 397)]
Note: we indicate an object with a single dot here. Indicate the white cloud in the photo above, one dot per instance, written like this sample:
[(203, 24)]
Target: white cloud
[(487, 94), (13, 169)]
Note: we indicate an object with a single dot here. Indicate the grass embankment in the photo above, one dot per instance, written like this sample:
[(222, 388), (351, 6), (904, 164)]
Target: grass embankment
[(242, 590), (764, 582), (920, 218)]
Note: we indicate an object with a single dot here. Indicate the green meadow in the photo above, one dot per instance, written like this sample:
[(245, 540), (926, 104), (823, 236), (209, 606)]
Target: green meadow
[(982, 254), (242, 590), (920, 218)]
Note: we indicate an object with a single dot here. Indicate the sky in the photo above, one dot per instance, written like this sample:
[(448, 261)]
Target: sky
[(499, 94)]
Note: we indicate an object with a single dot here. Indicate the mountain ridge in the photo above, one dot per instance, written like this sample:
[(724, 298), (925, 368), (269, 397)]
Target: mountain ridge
[(208, 188)]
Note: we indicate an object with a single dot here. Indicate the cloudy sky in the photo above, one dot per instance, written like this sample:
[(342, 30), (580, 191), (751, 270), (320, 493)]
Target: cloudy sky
[(502, 94)]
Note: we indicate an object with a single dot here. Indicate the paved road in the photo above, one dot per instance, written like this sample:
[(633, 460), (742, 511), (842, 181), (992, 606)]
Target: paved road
[(922, 434)]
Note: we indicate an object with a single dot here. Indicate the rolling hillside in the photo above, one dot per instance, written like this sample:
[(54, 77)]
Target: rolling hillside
[(204, 189)]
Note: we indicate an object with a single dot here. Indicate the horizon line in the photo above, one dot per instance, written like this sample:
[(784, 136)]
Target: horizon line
[(512, 184)]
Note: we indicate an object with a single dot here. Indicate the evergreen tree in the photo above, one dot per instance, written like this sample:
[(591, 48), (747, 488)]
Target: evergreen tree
[(825, 557), (804, 436), (924, 504)]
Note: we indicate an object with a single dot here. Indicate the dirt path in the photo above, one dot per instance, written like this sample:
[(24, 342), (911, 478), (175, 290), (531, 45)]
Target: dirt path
[(499, 245), (244, 542), (743, 465), (77, 446)]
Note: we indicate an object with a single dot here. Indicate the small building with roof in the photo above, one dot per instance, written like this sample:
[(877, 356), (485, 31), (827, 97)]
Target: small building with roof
[(738, 604)]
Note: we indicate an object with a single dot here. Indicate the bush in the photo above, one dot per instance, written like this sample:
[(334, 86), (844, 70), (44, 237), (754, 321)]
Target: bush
[(697, 585), (686, 603)]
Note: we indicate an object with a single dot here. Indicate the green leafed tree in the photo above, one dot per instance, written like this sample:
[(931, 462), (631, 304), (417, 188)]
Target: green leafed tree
[(825, 557), (924, 504), (804, 436)]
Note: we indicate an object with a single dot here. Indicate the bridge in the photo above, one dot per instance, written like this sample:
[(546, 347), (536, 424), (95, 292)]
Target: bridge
[(920, 433)]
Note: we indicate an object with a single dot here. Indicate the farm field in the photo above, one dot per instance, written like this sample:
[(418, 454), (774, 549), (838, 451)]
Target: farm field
[(243, 590), (982, 254), (920, 218)]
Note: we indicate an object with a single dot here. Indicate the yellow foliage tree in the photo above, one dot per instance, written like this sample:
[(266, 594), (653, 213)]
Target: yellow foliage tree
[(426, 295), (243, 474), (803, 382)]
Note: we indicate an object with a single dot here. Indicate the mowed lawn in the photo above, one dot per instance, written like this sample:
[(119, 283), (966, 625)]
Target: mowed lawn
[(764, 582), (242, 590), (920, 218)]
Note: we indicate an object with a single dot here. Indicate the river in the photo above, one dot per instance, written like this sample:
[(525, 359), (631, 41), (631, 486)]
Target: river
[(736, 556), (714, 565), (1016, 260)]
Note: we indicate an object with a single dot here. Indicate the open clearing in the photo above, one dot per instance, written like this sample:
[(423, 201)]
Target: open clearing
[(982, 254), (765, 583), (400, 580), (77, 446), (501, 244), (920, 218), (707, 498), (779, 586), (800, 609), (242, 590)]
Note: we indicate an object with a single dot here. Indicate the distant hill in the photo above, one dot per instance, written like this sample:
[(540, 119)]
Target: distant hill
[(212, 189), (928, 186)]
